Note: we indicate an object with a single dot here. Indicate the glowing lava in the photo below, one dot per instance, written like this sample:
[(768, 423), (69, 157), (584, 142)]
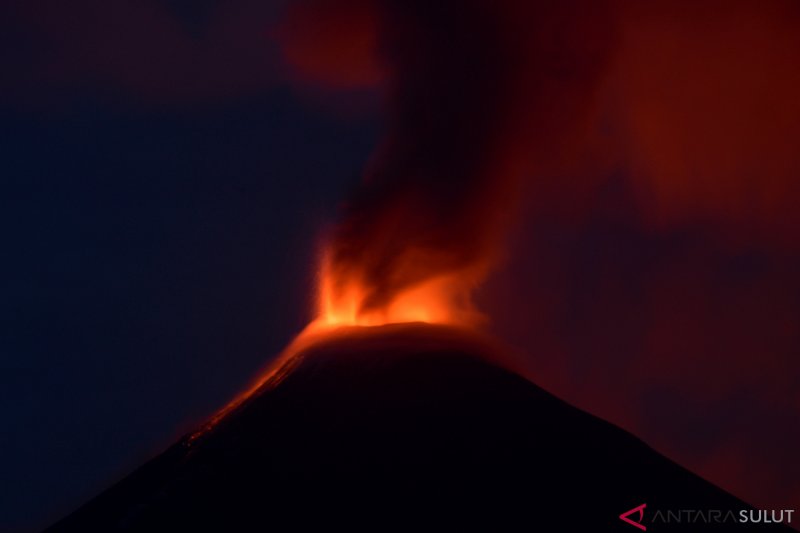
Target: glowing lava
[(441, 300)]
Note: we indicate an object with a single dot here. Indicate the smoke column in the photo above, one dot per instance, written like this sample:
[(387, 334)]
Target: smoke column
[(466, 84)]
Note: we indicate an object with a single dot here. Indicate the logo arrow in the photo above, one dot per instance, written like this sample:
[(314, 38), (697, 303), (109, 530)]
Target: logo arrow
[(624, 516)]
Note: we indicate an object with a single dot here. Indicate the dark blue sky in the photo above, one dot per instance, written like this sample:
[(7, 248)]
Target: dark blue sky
[(153, 260)]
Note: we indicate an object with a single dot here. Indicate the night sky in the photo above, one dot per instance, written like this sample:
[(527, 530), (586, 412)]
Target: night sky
[(154, 259), (156, 255), (169, 169)]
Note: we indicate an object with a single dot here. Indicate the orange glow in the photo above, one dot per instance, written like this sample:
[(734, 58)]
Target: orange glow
[(268, 378), (441, 300)]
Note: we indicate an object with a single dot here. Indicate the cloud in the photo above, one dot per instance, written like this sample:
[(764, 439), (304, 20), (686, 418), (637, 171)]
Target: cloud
[(147, 51)]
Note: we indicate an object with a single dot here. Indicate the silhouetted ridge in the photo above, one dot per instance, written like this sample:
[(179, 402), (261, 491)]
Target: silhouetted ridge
[(401, 426)]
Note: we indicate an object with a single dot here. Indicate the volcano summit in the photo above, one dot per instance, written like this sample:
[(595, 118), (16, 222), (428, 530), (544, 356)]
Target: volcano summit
[(407, 425)]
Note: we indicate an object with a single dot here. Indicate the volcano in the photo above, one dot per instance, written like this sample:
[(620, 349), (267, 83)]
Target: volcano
[(413, 426)]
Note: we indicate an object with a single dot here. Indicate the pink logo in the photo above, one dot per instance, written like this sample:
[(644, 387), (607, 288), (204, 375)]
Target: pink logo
[(624, 516)]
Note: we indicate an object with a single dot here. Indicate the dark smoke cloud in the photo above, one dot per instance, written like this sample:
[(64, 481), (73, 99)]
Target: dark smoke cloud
[(655, 281), (332, 44), (465, 88)]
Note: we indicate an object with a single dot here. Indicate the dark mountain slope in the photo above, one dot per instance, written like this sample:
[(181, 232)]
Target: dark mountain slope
[(406, 427)]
